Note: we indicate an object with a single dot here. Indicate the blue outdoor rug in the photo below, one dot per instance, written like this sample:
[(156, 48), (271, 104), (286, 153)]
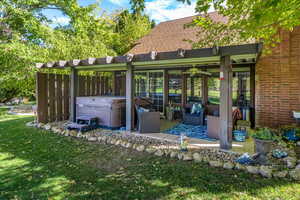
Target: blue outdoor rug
[(199, 132)]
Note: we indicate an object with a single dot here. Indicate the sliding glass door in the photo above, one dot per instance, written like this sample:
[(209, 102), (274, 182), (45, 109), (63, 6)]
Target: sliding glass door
[(150, 84)]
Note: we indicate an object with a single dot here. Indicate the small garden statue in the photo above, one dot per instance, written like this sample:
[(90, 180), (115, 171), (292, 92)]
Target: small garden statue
[(183, 142)]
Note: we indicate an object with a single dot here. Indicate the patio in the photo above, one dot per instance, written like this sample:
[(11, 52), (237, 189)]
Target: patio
[(221, 61)]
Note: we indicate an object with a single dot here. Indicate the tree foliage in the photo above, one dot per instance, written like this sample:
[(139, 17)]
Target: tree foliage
[(130, 27), (27, 36), (248, 20)]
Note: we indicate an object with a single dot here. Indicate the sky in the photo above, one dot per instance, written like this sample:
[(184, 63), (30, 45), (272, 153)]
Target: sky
[(158, 10)]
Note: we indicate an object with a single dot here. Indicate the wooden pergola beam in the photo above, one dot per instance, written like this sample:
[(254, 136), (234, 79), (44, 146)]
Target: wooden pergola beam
[(226, 103), (180, 54)]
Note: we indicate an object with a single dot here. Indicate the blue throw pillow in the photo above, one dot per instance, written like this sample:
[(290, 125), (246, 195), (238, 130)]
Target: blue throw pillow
[(196, 109), (141, 109)]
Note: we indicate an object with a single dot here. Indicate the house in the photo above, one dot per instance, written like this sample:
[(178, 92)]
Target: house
[(165, 68)]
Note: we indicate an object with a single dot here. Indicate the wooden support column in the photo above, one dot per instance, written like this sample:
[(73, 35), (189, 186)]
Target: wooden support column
[(73, 93), (252, 95), (129, 98), (42, 97), (184, 89), (226, 103), (166, 90), (204, 88)]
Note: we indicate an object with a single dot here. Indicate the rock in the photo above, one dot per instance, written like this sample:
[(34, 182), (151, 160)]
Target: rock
[(280, 174), (92, 139), (128, 145), (40, 125), (239, 166), (73, 133), (265, 171), (31, 124), (140, 148), (118, 142), (47, 127), (159, 153), (298, 143), (113, 141), (180, 156), (290, 162), (295, 174), (79, 135), (228, 165), (215, 163), (167, 152), (252, 169), (197, 157), (150, 150), (187, 157), (173, 154), (297, 166)]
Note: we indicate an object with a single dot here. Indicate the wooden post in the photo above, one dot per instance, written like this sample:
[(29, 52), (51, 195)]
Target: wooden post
[(252, 95), (129, 97), (226, 103), (73, 93), (42, 97), (166, 90), (204, 87), (184, 90)]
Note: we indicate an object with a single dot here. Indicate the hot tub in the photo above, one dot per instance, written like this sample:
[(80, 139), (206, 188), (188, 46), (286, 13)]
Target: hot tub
[(110, 111)]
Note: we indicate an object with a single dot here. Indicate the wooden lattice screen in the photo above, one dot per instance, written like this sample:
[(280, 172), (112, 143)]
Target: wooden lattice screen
[(53, 96)]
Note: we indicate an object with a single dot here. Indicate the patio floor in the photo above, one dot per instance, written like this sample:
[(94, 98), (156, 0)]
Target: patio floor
[(240, 147)]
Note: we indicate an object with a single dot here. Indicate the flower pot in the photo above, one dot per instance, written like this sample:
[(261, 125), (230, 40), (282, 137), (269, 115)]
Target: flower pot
[(263, 146)]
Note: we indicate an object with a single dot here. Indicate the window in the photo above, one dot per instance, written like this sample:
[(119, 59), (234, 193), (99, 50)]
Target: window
[(214, 89), (175, 87), (194, 89)]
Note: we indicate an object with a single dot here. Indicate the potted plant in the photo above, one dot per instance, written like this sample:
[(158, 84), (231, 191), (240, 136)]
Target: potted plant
[(264, 138)]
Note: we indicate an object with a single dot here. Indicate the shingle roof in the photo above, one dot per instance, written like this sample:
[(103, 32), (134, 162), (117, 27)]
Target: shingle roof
[(170, 35)]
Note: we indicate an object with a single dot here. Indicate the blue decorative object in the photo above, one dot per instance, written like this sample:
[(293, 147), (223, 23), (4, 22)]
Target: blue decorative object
[(192, 131), (196, 109), (245, 159), (239, 136), (141, 109), (291, 135), (277, 153)]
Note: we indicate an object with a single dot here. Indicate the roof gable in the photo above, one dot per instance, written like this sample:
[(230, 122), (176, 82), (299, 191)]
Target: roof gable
[(171, 35)]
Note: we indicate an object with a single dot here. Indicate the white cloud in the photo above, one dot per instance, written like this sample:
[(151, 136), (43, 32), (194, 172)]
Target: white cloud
[(61, 20), (118, 2), (163, 10)]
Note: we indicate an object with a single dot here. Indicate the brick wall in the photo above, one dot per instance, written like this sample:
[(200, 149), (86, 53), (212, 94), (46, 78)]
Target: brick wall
[(278, 82)]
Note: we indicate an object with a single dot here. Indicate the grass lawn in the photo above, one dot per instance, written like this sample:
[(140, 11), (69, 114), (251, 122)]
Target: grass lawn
[(36, 164)]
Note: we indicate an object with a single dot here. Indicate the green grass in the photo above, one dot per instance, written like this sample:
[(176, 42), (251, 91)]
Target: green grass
[(37, 164)]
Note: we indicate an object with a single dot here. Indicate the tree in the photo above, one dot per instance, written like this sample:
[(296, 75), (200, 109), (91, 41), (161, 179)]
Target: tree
[(26, 37), (137, 6), (247, 20), (131, 26)]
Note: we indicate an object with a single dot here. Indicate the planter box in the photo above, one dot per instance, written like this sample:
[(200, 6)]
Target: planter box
[(263, 146)]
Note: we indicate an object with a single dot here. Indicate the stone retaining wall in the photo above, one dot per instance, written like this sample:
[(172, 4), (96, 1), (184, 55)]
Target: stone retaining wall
[(214, 157)]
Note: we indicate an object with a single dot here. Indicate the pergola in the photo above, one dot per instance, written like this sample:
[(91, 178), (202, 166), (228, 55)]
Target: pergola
[(224, 57)]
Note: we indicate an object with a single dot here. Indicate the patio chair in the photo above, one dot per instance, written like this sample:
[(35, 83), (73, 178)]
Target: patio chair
[(192, 119), (147, 121)]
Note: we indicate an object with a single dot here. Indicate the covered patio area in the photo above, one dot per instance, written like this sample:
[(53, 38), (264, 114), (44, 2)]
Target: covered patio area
[(218, 77)]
